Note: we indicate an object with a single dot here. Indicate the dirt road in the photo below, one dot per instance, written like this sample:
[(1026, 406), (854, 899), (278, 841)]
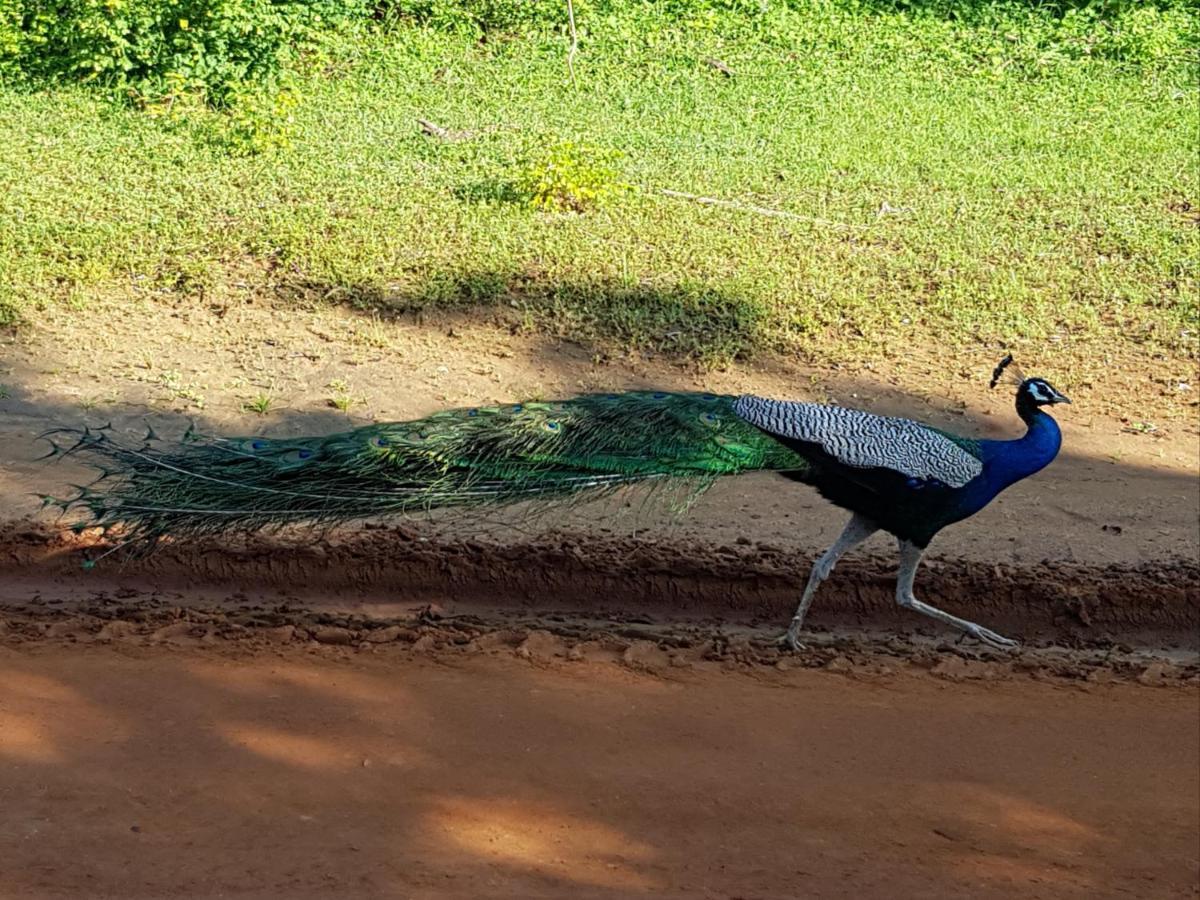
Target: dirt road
[(598, 710), (153, 769)]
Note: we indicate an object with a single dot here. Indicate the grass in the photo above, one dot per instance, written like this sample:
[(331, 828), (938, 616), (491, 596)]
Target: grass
[(973, 182), (341, 398), (259, 404)]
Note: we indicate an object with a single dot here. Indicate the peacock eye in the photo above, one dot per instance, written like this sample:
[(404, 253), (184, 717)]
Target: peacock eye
[(709, 419), (551, 426), (258, 445), (708, 397), (472, 413), (517, 407), (379, 442), (658, 395)]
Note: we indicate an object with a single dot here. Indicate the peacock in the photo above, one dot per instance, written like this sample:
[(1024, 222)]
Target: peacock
[(892, 474)]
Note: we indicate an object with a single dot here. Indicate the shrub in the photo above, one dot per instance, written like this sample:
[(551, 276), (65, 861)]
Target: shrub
[(148, 49)]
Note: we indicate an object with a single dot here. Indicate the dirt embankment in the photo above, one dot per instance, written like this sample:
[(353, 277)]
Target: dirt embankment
[(1157, 601), (645, 605)]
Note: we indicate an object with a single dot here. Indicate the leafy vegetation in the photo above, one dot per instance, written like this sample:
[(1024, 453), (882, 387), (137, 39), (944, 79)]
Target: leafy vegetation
[(944, 170), (570, 177), (154, 50)]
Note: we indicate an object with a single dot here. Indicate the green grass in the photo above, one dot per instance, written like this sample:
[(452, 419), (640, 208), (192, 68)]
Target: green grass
[(992, 181), (260, 404)]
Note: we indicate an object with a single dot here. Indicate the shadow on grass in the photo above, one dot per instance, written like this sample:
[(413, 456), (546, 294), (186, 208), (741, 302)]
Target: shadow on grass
[(689, 320)]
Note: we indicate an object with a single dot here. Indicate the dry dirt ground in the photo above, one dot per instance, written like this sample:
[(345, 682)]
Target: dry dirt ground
[(162, 770), (592, 704)]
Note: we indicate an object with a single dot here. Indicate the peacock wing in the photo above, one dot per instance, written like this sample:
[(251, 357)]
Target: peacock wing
[(863, 440)]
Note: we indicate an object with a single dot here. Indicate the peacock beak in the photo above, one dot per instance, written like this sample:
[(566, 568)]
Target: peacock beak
[(1060, 398)]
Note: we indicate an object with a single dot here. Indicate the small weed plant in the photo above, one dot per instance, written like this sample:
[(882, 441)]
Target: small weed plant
[(571, 177)]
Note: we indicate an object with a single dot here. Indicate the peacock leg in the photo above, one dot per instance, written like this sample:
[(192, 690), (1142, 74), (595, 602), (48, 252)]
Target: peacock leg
[(910, 558), (857, 530)]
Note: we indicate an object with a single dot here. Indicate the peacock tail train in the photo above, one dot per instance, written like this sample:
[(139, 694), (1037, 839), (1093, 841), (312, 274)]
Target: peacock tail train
[(487, 456)]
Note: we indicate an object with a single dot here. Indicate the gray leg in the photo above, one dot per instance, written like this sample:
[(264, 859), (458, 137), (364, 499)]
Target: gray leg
[(910, 558), (857, 530)]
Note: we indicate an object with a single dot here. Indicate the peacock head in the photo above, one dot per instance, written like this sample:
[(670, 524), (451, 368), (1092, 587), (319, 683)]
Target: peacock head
[(1031, 392), (1040, 392)]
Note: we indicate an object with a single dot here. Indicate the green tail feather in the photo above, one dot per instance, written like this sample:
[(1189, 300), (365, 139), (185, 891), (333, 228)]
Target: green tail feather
[(458, 458)]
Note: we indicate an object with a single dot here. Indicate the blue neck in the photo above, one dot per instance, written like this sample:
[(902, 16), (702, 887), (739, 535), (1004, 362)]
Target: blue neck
[(1007, 462)]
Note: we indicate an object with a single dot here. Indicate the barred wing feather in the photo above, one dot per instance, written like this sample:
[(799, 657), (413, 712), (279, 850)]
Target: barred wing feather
[(863, 440)]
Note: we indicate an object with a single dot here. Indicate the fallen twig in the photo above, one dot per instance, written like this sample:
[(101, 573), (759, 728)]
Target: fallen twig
[(886, 209), (717, 64), (759, 210)]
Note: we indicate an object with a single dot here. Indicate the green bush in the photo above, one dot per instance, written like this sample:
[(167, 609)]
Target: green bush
[(149, 49), (155, 51), (11, 39)]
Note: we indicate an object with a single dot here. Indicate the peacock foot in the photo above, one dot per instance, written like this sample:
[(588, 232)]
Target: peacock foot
[(989, 637), (791, 641)]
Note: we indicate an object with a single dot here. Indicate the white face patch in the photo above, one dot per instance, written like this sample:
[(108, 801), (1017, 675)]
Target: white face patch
[(1040, 391)]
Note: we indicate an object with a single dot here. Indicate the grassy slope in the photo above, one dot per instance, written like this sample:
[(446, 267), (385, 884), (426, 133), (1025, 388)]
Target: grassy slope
[(1028, 205)]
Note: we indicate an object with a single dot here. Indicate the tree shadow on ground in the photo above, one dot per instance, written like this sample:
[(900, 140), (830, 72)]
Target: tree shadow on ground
[(692, 320)]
